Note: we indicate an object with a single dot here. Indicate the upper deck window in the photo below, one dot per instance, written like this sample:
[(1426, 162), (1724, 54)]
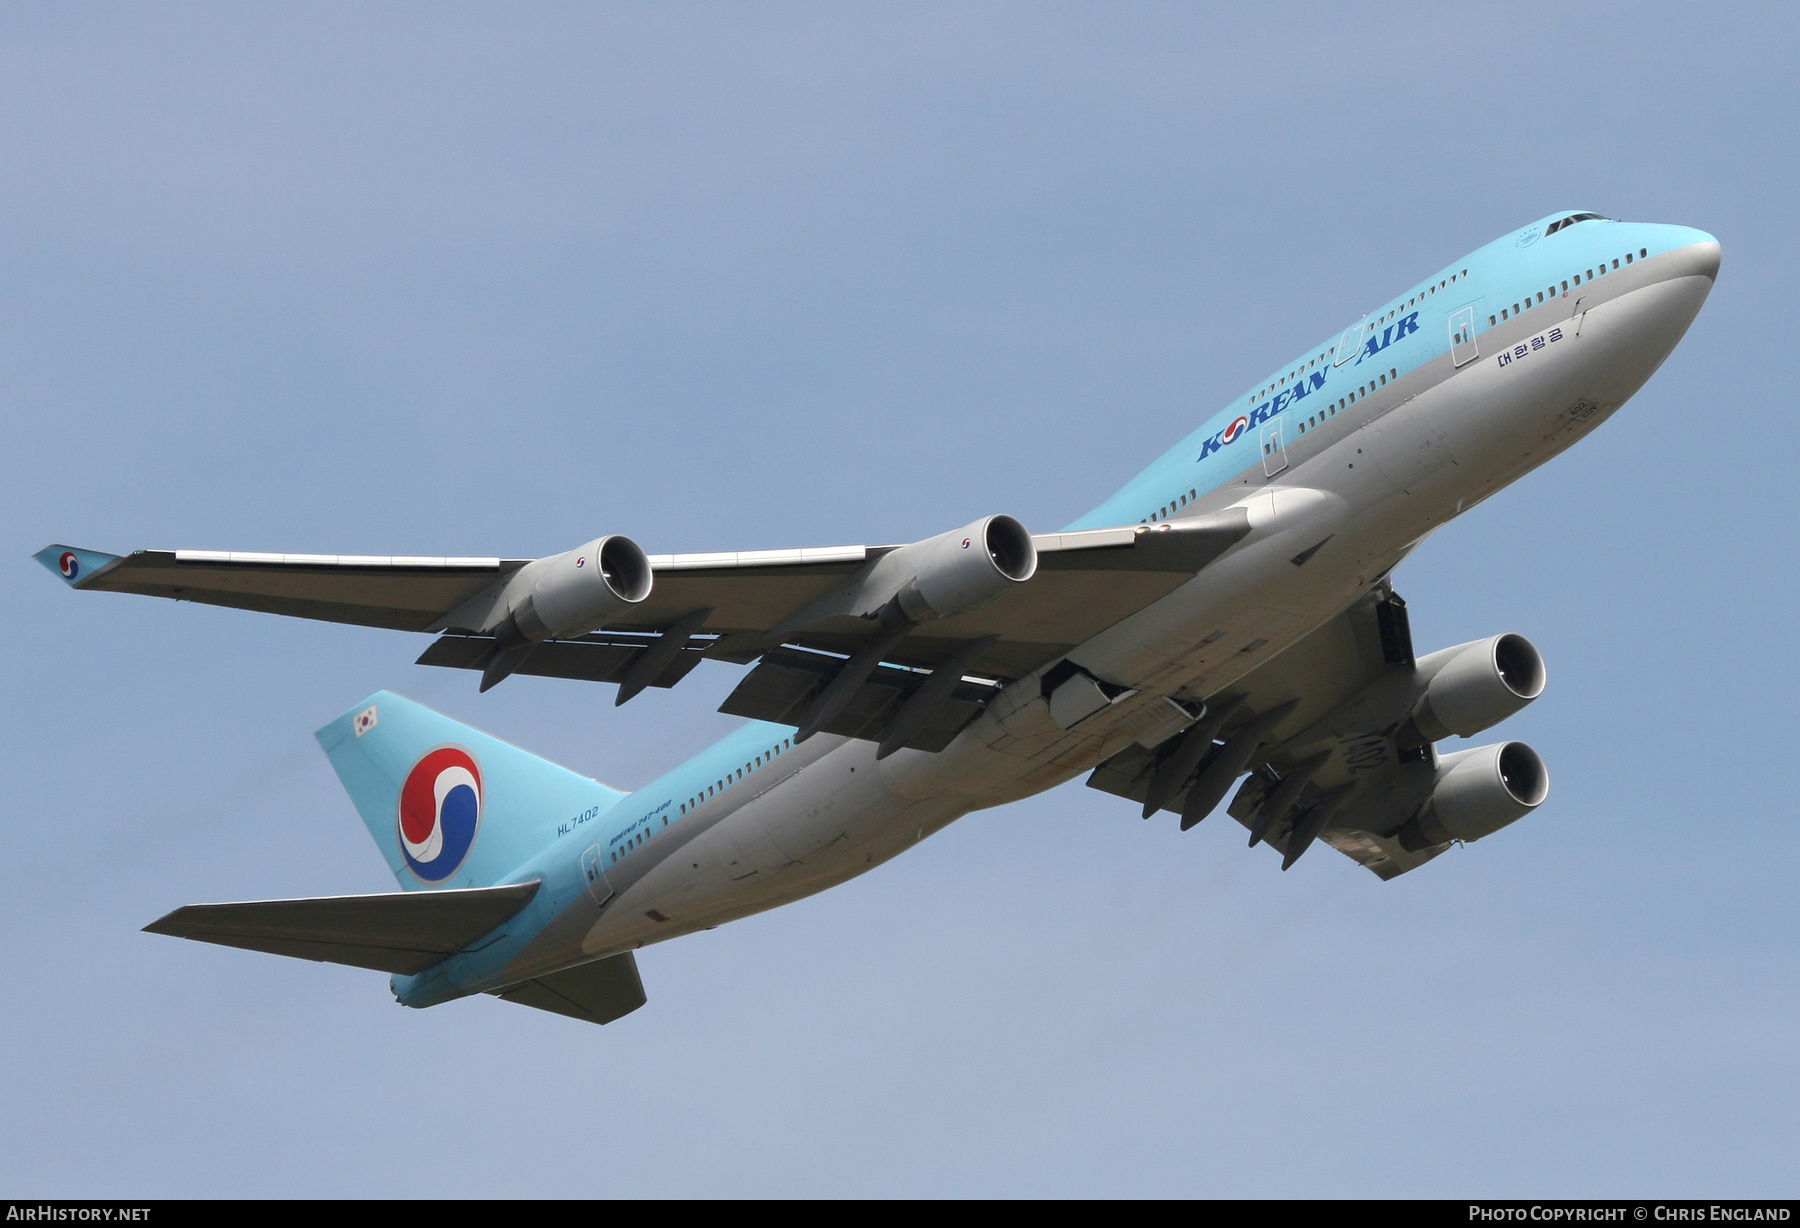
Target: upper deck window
[(1571, 220)]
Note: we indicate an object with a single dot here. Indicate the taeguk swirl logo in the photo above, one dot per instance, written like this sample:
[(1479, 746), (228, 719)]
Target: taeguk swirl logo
[(440, 810), (71, 566)]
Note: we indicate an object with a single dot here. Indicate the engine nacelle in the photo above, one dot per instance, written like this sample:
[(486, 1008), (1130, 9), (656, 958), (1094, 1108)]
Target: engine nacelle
[(1476, 793), (571, 594), (1475, 686), (963, 570)]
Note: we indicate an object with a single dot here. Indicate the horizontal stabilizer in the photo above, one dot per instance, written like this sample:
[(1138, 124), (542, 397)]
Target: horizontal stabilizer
[(600, 992), (400, 933)]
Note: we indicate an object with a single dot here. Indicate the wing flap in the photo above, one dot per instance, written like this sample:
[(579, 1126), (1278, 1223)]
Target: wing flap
[(600, 992), (403, 933), (785, 684), (601, 657)]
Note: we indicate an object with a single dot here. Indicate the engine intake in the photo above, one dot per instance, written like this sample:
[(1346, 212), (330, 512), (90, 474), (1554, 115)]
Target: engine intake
[(1477, 685), (963, 570), (574, 593), (1476, 793)]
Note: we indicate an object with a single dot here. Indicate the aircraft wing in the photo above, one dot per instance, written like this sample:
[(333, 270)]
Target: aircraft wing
[(406, 594), (1349, 683), (727, 606)]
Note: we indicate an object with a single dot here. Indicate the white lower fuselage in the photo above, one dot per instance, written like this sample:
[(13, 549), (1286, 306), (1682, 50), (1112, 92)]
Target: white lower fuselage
[(1369, 484)]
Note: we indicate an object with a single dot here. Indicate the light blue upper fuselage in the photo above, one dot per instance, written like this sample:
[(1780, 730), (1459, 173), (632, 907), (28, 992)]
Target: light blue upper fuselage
[(1408, 331)]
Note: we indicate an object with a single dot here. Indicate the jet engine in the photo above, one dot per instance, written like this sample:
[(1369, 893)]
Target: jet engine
[(1475, 686), (1476, 793), (573, 593), (963, 570)]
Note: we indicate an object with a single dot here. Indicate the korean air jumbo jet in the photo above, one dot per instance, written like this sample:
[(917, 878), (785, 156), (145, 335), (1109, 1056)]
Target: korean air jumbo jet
[(1227, 615)]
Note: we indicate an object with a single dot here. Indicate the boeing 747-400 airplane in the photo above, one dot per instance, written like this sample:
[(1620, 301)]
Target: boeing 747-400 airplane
[(1227, 614)]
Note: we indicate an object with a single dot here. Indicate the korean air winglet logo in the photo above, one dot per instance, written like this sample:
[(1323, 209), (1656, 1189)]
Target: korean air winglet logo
[(69, 565), (440, 810)]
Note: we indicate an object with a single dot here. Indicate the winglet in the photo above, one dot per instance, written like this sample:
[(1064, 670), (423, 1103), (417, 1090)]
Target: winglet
[(73, 564)]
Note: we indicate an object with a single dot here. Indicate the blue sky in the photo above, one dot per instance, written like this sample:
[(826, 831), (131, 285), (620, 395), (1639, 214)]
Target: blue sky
[(441, 279)]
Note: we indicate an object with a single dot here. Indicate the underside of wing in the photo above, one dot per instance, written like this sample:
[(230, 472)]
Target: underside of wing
[(788, 681), (1343, 771), (405, 594), (603, 656)]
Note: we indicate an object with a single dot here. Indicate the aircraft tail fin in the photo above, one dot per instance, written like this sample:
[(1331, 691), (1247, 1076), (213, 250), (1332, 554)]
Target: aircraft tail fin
[(448, 805)]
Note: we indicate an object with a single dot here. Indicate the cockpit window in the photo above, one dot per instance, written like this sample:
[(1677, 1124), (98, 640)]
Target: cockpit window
[(1571, 220)]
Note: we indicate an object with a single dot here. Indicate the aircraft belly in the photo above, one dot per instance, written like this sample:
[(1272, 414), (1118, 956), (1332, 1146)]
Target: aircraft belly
[(831, 821)]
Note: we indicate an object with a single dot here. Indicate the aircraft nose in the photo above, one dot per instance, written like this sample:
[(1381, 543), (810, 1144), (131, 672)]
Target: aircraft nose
[(1696, 254)]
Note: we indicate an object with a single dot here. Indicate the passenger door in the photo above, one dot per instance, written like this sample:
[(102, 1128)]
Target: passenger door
[(1463, 346), (1274, 452), (593, 868), (1350, 344)]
